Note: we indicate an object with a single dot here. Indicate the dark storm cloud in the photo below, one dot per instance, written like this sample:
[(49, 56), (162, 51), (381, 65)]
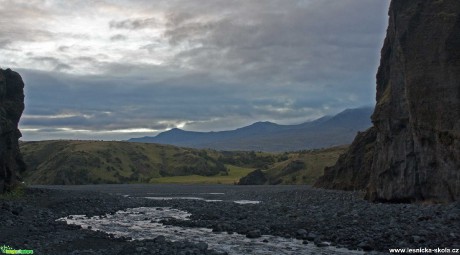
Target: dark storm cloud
[(323, 40), (73, 121), (109, 103), (129, 102)]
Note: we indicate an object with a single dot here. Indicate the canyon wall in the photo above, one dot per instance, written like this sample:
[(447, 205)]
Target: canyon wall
[(11, 108), (416, 148)]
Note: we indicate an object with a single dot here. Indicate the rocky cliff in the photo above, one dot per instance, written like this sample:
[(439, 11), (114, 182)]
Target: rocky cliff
[(11, 108), (352, 170), (416, 151)]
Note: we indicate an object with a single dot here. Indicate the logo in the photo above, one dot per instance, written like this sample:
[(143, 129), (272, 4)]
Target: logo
[(5, 249)]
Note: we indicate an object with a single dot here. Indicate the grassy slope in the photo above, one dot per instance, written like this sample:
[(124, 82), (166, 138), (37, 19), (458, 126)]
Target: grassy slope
[(303, 167), (234, 174), (79, 162), (83, 162)]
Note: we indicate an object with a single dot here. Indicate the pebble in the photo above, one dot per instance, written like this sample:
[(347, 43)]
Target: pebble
[(312, 215)]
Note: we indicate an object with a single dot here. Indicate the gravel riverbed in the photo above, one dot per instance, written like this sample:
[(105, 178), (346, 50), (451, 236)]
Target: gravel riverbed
[(314, 216)]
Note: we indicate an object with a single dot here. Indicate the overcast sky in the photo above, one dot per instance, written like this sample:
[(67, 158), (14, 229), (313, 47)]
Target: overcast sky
[(116, 69)]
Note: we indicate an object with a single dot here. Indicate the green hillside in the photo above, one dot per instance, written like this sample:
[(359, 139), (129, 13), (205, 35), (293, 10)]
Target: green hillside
[(93, 162), (303, 167), (233, 176), (82, 162)]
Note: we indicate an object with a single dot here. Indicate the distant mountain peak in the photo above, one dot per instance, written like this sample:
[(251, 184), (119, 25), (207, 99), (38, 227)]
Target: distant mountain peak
[(176, 130), (263, 123), (172, 132), (259, 126), (362, 108), (268, 136)]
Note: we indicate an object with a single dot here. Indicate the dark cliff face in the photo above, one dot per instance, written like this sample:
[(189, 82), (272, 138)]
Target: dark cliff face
[(11, 108), (417, 115), (352, 170), (416, 152)]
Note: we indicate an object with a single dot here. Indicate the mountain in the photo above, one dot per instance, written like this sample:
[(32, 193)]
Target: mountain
[(412, 152), (271, 137)]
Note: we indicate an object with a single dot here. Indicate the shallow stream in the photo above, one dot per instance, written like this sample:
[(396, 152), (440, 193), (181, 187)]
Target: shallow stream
[(144, 223)]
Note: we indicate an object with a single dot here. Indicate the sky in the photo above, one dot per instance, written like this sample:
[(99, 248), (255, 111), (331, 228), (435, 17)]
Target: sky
[(117, 69)]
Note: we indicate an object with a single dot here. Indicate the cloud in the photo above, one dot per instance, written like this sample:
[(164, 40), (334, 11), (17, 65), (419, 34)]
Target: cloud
[(54, 63), (104, 104), (63, 48), (135, 66), (118, 37), (134, 24), (4, 43), (320, 40), (19, 21)]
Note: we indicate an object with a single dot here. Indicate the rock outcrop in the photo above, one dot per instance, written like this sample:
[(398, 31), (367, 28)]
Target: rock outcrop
[(11, 108), (352, 170), (256, 177), (416, 152)]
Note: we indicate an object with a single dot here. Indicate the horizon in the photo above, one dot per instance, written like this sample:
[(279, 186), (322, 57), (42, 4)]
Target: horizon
[(114, 70), (211, 131)]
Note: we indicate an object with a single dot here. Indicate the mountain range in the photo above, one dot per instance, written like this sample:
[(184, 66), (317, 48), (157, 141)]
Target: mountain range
[(324, 132)]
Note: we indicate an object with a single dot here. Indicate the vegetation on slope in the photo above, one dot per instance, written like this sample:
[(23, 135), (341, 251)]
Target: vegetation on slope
[(93, 162), (303, 166), (234, 174), (82, 162)]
